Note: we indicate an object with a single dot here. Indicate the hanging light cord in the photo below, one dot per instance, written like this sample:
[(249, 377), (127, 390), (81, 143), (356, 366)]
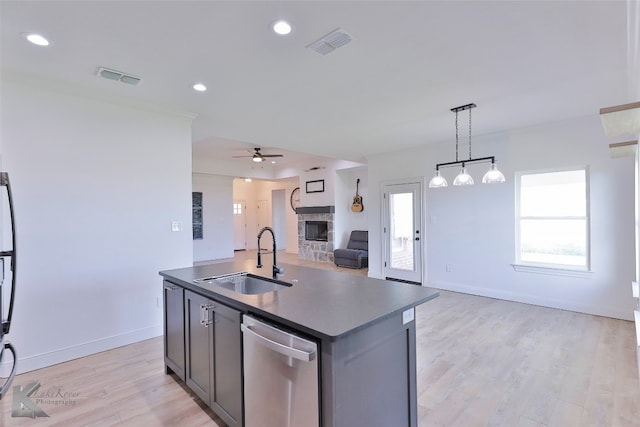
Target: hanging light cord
[(469, 160), (456, 136), (469, 133)]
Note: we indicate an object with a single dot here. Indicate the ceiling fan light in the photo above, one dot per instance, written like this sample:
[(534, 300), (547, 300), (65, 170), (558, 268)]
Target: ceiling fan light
[(256, 158), (438, 181), (493, 176), (463, 178)]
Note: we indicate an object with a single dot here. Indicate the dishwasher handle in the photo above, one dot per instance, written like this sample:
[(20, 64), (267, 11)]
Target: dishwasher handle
[(305, 356)]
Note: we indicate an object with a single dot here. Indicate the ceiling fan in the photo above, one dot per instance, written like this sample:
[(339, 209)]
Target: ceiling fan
[(257, 156)]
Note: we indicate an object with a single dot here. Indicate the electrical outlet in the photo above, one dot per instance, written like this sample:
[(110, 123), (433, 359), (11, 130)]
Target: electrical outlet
[(176, 225), (449, 268)]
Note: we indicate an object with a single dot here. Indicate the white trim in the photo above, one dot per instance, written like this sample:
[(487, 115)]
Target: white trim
[(43, 360), (596, 309), (554, 271), (636, 315)]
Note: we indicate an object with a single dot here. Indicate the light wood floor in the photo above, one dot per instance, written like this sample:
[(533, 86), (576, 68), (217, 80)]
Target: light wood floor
[(480, 362)]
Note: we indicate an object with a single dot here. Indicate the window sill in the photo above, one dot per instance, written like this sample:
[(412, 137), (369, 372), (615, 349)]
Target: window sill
[(583, 274)]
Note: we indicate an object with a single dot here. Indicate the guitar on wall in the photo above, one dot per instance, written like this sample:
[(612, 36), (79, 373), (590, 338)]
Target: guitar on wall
[(357, 206)]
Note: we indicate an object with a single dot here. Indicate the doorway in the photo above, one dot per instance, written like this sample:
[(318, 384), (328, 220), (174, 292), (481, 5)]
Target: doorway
[(402, 231), (278, 205), (239, 225)]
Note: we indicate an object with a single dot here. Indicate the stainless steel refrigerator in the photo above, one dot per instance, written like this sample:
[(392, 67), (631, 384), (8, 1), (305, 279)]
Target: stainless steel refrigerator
[(7, 269)]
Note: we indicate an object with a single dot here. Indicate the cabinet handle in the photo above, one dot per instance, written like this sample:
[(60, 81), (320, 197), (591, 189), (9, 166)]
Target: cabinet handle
[(205, 317)]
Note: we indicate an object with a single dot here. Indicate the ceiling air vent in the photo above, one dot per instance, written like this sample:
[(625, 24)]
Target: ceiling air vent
[(332, 41), (119, 76)]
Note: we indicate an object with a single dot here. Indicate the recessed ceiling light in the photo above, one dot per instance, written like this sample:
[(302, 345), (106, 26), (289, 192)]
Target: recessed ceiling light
[(247, 180), (273, 162), (199, 87), (281, 27), (36, 39)]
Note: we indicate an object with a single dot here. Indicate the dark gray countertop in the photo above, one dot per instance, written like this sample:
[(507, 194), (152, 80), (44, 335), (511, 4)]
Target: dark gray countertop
[(322, 303)]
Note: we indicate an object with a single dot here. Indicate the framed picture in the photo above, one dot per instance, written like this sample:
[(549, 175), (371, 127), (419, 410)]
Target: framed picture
[(315, 186)]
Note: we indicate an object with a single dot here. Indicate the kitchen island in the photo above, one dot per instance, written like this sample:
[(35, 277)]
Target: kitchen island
[(364, 329)]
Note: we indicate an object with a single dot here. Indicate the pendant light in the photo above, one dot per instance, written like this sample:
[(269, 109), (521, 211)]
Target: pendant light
[(438, 181), (463, 178), (493, 175)]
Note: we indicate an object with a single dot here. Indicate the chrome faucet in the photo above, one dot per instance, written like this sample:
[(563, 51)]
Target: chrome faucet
[(276, 270)]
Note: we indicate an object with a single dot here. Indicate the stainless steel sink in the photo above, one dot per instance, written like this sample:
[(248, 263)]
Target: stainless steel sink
[(245, 283)]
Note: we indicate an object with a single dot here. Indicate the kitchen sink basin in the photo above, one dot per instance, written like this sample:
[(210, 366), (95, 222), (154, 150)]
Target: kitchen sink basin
[(245, 283)]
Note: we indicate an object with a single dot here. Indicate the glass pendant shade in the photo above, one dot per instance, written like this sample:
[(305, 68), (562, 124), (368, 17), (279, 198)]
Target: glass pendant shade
[(438, 181), (493, 176), (463, 178)]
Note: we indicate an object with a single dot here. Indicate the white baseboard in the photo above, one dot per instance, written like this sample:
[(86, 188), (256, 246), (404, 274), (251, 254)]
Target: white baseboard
[(53, 357), (636, 314), (612, 312)]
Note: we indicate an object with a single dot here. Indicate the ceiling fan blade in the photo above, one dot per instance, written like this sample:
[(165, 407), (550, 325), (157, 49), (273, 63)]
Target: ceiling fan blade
[(256, 154)]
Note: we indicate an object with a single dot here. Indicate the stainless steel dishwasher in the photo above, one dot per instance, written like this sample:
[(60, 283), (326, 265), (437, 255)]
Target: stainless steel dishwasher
[(280, 377)]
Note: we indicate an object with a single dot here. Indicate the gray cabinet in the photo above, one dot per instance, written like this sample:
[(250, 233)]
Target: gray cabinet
[(374, 364), (226, 395), (198, 344), (213, 348), (173, 300)]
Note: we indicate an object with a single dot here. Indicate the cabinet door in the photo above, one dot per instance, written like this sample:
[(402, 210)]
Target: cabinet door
[(198, 344), (226, 399), (174, 329)]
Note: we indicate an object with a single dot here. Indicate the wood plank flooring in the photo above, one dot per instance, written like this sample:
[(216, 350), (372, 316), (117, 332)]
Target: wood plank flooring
[(481, 362)]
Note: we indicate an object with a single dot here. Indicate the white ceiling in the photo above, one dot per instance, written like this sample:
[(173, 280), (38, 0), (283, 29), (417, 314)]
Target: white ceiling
[(392, 87)]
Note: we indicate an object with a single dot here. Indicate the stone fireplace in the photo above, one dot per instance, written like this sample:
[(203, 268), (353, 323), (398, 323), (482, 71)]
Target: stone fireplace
[(315, 233)]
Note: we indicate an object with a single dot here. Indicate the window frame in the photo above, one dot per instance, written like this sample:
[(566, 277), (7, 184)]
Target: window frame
[(553, 268)]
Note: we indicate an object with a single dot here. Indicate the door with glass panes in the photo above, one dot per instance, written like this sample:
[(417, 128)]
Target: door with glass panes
[(402, 231)]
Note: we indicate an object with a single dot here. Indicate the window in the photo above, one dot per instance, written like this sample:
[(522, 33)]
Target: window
[(552, 219), (237, 208)]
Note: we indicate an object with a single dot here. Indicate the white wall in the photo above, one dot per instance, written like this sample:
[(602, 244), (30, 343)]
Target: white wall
[(345, 219), (96, 185), (256, 190), (473, 228), (326, 172), (217, 217), (291, 218)]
